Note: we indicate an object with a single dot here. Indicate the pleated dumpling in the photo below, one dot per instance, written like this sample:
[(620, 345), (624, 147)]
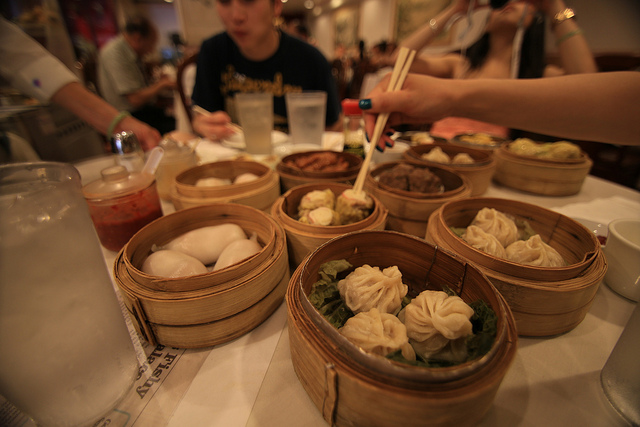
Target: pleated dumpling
[(481, 240), (498, 224), (437, 155), (378, 333), (368, 287), (434, 319), (534, 252)]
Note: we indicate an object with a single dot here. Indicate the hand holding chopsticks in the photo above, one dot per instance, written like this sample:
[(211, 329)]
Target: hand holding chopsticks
[(398, 76), (219, 120)]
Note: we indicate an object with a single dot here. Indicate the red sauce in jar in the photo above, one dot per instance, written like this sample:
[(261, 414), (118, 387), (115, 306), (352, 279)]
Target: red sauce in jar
[(117, 220)]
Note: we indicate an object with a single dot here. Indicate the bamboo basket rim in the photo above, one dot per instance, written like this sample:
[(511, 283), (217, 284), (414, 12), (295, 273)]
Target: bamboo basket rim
[(355, 162), (521, 158), (440, 171), (482, 159), (226, 277), (410, 375), (552, 274), (288, 221), (185, 181)]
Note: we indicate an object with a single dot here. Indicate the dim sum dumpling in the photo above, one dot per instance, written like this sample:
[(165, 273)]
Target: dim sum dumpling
[(481, 240), (212, 182), (317, 198), (378, 333), (238, 250), (367, 287), (433, 319), (534, 251), (437, 155), (498, 224), (207, 243), (168, 263), (320, 216), (462, 159)]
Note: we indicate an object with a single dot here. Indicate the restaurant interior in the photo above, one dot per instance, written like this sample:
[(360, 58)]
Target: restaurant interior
[(244, 346)]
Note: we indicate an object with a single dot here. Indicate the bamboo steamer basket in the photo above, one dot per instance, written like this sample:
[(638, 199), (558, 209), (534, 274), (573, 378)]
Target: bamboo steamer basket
[(292, 177), (211, 308), (479, 173), (260, 193), (350, 387), (541, 176), (409, 211), (545, 301), (302, 239)]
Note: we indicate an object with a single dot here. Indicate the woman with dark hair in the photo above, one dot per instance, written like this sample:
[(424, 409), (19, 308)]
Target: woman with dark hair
[(512, 46)]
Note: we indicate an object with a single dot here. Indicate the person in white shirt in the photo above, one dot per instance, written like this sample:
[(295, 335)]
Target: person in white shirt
[(35, 72)]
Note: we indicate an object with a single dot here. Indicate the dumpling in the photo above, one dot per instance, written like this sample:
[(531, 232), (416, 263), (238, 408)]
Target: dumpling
[(245, 177), (462, 159), (481, 240), (433, 319), (498, 224), (236, 251), (437, 155), (212, 182), (317, 198), (320, 216), (368, 287), (534, 252), (378, 333), (353, 206), (168, 263), (207, 243)]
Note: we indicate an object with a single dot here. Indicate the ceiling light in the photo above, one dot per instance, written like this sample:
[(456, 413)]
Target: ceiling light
[(309, 4)]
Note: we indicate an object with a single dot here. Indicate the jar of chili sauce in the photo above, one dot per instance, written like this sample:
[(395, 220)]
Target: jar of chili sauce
[(121, 203)]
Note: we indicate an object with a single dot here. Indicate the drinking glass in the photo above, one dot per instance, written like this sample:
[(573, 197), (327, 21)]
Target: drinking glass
[(67, 357), (306, 114), (620, 375), (255, 112)]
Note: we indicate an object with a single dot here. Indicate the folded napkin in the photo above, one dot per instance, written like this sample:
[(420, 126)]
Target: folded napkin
[(602, 210)]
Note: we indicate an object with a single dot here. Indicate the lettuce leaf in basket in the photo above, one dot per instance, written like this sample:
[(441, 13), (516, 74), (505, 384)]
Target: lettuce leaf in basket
[(325, 296)]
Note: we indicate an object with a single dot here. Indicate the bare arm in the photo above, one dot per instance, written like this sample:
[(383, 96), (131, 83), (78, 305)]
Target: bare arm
[(599, 107), (99, 114), (574, 51)]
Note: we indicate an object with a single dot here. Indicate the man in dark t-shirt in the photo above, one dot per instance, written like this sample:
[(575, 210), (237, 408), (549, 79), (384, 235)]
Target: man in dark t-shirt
[(254, 56)]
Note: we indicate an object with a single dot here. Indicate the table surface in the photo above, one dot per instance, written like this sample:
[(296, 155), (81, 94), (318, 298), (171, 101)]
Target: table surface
[(553, 381)]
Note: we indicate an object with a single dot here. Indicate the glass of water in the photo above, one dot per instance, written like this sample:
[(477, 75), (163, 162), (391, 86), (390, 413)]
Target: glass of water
[(67, 357), (306, 114), (255, 112)]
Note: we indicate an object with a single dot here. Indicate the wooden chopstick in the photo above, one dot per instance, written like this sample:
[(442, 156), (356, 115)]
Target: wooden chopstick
[(398, 76), (199, 109)]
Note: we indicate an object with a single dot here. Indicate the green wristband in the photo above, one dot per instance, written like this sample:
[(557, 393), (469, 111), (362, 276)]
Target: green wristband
[(117, 119), (567, 36)]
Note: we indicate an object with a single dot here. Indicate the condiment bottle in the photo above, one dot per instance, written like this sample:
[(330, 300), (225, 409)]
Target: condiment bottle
[(177, 158), (126, 147), (120, 204), (354, 133)]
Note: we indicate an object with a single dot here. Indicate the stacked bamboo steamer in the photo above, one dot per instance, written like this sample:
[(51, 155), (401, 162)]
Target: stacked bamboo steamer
[(259, 193), (210, 308), (350, 387), (544, 300), (409, 211), (479, 173), (302, 239), (541, 176), (291, 176)]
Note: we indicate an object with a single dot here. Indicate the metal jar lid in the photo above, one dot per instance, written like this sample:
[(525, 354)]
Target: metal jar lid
[(125, 143)]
